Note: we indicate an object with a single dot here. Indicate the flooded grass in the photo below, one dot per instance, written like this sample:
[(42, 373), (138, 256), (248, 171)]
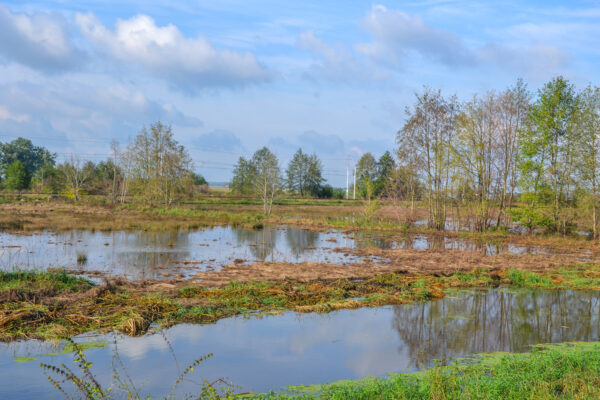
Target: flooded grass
[(47, 305), (567, 371)]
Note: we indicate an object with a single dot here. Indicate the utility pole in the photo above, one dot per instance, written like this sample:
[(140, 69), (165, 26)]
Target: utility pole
[(354, 194), (347, 181)]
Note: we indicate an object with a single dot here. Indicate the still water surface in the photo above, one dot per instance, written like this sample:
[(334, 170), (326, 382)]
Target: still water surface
[(271, 352), (156, 255)]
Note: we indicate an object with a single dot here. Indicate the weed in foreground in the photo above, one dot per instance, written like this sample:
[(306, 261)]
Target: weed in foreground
[(81, 383)]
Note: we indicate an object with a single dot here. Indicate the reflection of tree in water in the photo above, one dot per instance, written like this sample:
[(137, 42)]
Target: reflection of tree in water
[(366, 239), (497, 321), (147, 250), (300, 240), (260, 242)]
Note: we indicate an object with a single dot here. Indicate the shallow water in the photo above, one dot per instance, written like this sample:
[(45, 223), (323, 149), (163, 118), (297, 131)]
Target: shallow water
[(156, 255), (259, 354), (143, 255)]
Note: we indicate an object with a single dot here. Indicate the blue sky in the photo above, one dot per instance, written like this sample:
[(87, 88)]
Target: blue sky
[(333, 77)]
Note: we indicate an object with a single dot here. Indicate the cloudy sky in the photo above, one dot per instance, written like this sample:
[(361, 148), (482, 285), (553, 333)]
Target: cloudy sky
[(333, 77)]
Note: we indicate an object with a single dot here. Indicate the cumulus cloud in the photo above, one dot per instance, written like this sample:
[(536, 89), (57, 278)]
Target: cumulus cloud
[(395, 32), (186, 63), (219, 140), (40, 41)]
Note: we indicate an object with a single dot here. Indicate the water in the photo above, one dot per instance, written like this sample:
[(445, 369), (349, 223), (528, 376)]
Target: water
[(155, 255), (165, 255), (259, 354)]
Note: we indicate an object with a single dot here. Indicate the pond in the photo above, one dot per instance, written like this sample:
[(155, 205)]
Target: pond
[(155, 255), (259, 354), (165, 255)]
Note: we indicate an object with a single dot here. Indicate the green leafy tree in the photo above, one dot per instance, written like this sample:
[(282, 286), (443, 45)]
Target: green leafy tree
[(23, 150), (17, 176), (161, 167), (548, 150), (267, 181), (366, 175), (244, 174), (385, 168), (304, 174)]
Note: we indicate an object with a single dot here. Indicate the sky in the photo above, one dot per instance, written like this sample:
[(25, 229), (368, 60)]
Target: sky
[(231, 76)]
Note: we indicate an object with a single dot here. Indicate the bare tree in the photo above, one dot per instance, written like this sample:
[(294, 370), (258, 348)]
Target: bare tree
[(428, 134), (76, 175), (513, 106)]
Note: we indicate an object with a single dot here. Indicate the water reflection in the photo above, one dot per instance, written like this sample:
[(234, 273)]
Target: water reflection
[(274, 351), (139, 255)]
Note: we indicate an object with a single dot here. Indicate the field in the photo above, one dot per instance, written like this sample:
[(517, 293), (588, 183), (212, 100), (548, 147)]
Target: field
[(62, 302)]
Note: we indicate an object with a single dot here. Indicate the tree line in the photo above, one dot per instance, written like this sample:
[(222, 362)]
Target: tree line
[(154, 169), (482, 154)]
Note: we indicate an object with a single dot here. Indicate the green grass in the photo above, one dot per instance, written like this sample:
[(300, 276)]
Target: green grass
[(566, 371), (51, 305)]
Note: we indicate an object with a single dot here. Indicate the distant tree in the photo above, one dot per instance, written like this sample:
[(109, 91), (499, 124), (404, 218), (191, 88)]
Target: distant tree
[(366, 175), (161, 168), (198, 179), (305, 174), (17, 176), (267, 182), (23, 150), (244, 175), (47, 179), (385, 168), (76, 175)]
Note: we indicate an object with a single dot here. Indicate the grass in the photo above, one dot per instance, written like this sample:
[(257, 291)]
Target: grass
[(566, 371), (51, 305)]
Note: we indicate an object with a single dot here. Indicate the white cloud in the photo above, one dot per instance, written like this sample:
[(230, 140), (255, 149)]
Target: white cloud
[(7, 115), (395, 33), (335, 63), (40, 41), (186, 63)]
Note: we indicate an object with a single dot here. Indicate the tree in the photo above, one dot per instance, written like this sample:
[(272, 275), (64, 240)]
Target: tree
[(304, 174), (161, 167), (75, 175), (198, 179), (385, 168), (17, 176), (267, 179), (476, 152), (548, 148), (260, 176), (366, 175), (23, 150), (426, 138), (589, 162), (244, 174), (513, 107)]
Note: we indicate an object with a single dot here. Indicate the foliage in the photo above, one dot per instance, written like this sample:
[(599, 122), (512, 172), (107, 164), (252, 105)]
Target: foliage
[(161, 167), (548, 149), (304, 174), (259, 175), (17, 176), (23, 150)]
